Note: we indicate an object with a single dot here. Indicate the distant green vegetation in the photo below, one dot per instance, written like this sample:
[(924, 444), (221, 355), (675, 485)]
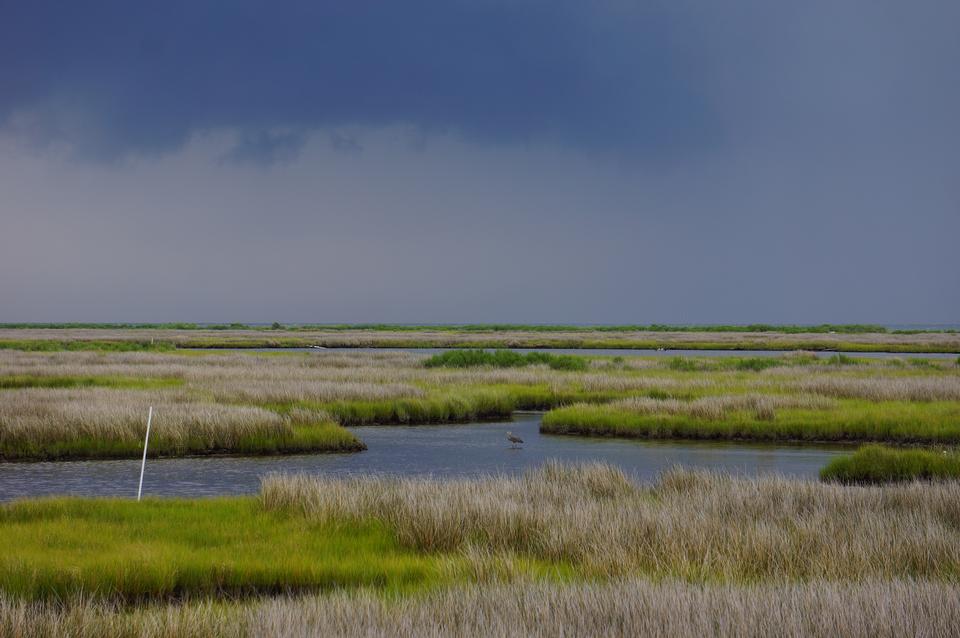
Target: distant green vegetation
[(504, 359), (879, 464), (13, 381), (174, 548), (491, 327), (53, 345)]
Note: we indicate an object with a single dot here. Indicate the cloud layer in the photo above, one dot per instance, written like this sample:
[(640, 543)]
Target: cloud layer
[(480, 161)]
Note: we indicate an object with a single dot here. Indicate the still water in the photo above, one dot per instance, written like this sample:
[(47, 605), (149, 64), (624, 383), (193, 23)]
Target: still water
[(429, 450)]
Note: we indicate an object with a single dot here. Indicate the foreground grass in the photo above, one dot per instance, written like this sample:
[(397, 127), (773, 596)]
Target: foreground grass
[(873, 609), (693, 526), (559, 551), (556, 522), (879, 464), (123, 550)]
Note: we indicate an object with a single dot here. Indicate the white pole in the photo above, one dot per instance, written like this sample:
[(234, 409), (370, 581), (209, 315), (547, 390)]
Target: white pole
[(143, 464)]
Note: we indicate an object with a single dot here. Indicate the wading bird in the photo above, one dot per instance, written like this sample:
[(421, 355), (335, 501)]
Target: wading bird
[(514, 440)]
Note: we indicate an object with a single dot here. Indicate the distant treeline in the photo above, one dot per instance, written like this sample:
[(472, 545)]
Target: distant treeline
[(826, 328)]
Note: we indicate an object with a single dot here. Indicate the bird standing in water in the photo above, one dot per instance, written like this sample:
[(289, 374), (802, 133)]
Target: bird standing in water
[(514, 440)]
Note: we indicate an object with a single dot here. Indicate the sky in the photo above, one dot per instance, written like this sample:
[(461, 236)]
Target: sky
[(444, 161)]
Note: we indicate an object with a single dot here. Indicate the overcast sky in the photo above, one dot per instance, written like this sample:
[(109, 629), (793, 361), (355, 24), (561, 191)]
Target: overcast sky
[(484, 160)]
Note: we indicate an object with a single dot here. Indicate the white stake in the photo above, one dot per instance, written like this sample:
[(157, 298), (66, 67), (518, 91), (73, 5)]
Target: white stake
[(143, 465)]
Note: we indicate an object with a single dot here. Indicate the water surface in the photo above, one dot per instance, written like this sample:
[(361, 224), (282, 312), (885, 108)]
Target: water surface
[(428, 450)]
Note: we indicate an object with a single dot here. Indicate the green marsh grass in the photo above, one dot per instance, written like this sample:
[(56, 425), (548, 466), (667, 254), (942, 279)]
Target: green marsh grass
[(850, 420), (452, 405), (173, 548), (504, 359), (880, 464), (8, 382), (49, 345)]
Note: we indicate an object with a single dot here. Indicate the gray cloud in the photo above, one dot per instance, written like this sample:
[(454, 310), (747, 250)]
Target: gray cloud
[(266, 148), (482, 161)]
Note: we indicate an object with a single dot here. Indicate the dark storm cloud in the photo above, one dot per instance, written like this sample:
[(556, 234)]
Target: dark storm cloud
[(619, 161), (117, 76)]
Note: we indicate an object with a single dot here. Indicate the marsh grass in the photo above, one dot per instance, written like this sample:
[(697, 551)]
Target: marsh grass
[(880, 464), (762, 406), (8, 382), (630, 607), (111, 549), (640, 337), (693, 554), (50, 424), (504, 359), (714, 418), (694, 526), (90, 404), (922, 388), (70, 345)]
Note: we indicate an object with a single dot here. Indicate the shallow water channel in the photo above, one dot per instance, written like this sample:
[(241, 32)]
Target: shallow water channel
[(426, 450)]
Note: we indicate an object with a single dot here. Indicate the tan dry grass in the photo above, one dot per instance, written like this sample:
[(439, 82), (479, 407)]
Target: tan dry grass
[(689, 525), (874, 609), (717, 407), (41, 415), (917, 388)]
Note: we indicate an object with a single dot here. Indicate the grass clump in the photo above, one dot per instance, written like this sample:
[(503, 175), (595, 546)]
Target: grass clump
[(504, 359), (880, 464), (115, 549)]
